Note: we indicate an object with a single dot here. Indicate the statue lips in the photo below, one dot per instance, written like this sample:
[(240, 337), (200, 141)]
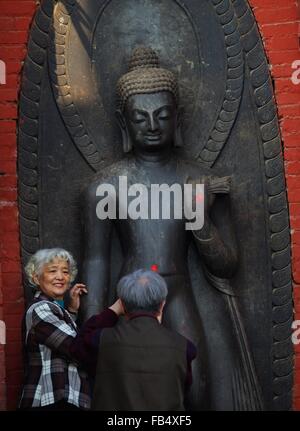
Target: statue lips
[(153, 139)]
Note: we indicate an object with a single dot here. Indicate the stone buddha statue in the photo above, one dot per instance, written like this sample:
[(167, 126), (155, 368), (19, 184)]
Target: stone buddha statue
[(149, 118)]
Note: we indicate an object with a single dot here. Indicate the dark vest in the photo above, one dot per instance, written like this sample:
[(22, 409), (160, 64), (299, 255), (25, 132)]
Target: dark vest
[(141, 366)]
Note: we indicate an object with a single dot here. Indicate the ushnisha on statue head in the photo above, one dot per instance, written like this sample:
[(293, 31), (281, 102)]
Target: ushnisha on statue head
[(148, 104), (145, 76)]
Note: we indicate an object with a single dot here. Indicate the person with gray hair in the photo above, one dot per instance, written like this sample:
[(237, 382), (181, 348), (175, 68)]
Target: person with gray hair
[(53, 379), (142, 290), (38, 260), (135, 362)]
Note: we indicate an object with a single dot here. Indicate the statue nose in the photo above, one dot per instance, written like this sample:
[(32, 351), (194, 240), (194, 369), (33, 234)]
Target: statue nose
[(152, 123)]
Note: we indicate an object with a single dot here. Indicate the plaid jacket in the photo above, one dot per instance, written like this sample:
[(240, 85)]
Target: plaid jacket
[(51, 374)]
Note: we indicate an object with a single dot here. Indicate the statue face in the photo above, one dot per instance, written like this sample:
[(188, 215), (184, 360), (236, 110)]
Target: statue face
[(151, 120)]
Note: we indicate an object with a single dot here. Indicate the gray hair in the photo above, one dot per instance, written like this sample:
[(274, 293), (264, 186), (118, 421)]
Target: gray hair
[(45, 256), (142, 290)]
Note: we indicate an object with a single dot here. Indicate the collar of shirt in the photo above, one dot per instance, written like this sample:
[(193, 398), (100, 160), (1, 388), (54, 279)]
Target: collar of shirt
[(141, 314), (42, 296), (60, 302)]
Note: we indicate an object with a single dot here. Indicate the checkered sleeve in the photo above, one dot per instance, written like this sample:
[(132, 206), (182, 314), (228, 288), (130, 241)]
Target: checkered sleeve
[(50, 328)]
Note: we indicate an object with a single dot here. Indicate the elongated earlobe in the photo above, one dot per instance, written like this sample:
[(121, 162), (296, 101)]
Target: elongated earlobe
[(178, 141), (126, 141)]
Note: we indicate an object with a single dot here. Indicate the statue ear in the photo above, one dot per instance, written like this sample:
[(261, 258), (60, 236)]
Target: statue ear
[(178, 142), (127, 144)]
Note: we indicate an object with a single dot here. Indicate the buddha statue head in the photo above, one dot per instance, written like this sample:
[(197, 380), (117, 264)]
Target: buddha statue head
[(147, 111)]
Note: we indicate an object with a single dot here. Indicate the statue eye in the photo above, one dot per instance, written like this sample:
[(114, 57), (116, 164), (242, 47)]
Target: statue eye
[(138, 118), (164, 115)]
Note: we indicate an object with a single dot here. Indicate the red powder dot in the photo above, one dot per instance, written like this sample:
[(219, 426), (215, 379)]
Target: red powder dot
[(154, 268), (199, 197)]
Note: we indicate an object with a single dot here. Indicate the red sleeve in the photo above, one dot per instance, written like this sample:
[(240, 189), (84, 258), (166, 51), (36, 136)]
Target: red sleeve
[(85, 346)]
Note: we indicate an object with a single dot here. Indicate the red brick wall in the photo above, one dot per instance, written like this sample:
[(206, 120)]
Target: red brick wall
[(278, 23), (15, 18)]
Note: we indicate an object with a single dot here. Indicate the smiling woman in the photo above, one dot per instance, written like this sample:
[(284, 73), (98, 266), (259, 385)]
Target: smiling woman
[(53, 379), (55, 279), (51, 271)]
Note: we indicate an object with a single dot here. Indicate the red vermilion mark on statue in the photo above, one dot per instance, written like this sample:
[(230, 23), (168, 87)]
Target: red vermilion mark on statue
[(199, 197), (154, 268)]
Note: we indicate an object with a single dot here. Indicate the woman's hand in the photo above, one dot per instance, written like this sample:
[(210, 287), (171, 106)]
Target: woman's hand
[(75, 292)]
